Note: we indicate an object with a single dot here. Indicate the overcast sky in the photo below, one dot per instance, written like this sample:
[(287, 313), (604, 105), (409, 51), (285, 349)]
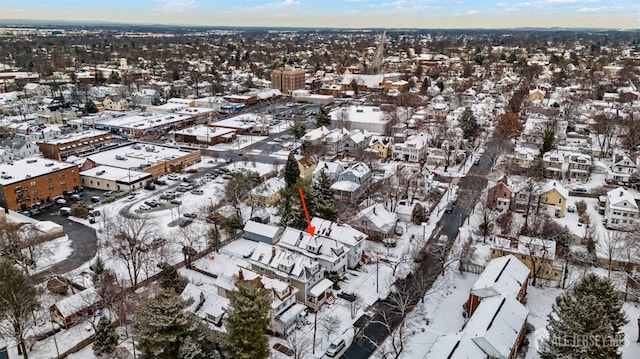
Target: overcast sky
[(618, 14)]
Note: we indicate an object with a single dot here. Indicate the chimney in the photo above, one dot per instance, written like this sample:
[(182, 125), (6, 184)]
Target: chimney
[(621, 193), (273, 252), (201, 299)]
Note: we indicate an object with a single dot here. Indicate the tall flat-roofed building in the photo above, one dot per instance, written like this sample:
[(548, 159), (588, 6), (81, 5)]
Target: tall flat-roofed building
[(287, 80)]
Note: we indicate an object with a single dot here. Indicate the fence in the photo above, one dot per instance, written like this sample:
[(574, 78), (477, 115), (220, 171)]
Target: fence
[(471, 267)]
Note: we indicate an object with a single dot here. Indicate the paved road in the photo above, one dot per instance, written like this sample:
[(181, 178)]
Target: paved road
[(84, 244), (375, 332)]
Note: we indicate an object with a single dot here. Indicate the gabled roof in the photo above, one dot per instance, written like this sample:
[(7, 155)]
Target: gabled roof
[(554, 185), (77, 302), (340, 232), (383, 220), (502, 276), (622, 199)]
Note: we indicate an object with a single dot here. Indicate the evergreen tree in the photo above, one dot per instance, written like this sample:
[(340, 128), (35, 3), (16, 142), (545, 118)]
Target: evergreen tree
[(290, 208), (291, 171), (90, 107), (247, 320), (586, 322), (114, 77), (298, 129), (98, 78), (323, 118), (469, 124), (323, 200), (171, 279), (106, 339), (163, 327)]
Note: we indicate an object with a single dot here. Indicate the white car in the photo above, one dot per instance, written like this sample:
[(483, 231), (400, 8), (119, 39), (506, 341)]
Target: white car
[(144, 207)]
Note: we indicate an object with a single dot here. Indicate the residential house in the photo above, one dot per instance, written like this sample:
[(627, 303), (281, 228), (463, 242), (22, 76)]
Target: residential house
[(553, 163), (77, 308), (521, 158), (306, 165), (382, 146), (413, 149), (115, 103), (554, 196), (282, 295), (332, 169), (375, 221), (17, 148), (333, 141), (536, 253), (356, 141), (496, 330), (622, 167), (352, 182), (267, 193), (536, 95), (499, 196), (315, 136), (303, 273), (207, 304), (622, 209), (505, 276), (328, 252), (351, 238), (579, 167)]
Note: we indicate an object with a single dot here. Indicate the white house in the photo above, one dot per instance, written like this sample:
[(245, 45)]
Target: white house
[(352, 238), (621, 209), (412, 150), (622, 167), (328, 252)]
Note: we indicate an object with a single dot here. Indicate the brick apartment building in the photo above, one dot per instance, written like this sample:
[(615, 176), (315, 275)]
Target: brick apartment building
[(76, 144), (287, 80), (35, 180)]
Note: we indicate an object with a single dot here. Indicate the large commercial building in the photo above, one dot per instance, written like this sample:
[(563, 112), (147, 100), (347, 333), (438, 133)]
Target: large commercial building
[(31, 181), (287, 80)]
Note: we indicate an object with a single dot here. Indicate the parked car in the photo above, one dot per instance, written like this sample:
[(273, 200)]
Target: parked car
[(185, 222), (150, 186), (571, 209), (152, 203), (580, 190), (389, 242), (59, 200), (198, 191), (76, 197), (26, 213), (190, 215), (65, 211), (166, 197), (95, 199), (175, 201), (144, 207), (192, 170), (109, 194), (476, 160), (335, 347)]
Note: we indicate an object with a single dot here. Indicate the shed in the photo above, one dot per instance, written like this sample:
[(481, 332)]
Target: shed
[(262, 232)]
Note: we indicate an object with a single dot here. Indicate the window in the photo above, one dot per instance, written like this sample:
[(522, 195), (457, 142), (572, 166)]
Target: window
[(62, 175), (50, 178), (559, 200), (32, 183), (51, 186), (34, 192), (63, 183)]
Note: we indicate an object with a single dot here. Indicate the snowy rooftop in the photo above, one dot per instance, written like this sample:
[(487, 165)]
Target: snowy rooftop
[(346, 186), (143, 121), (262, 229), (213, 305), (244, 121), (28, 168), (454, 346), (204, 132), (342, 233), (502, 276), (137, 155), (284, 262), (378, 216), (318, 246), (496, 324), (316, 134), (526, 245), (623, 199), (74, 136), (557, 186), (362, 114), (269, 187), (71, 305), (115, 174)]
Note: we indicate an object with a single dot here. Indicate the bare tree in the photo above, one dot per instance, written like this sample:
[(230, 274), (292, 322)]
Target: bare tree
[(329, 325), (133, 242), (539, 254), (300, 344), (23, 244), (610, 243)]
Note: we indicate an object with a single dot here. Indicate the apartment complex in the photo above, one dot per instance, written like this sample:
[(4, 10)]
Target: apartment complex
[(287, 80), (75, 144), (31, 181)]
